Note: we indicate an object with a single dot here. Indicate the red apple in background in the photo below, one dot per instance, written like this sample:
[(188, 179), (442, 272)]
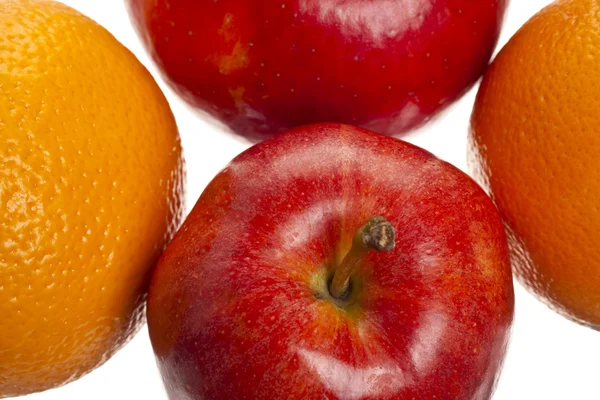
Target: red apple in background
[(263, 67), (269, 290)]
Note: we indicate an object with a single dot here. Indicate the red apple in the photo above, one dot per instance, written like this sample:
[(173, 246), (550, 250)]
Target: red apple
[(263, 67), (252, 300)]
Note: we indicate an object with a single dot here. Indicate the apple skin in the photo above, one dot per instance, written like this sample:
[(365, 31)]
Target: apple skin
[(238, 306), (265, 67)]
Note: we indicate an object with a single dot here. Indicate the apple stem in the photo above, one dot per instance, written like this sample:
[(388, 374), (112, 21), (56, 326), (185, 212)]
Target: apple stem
[(376, 234)]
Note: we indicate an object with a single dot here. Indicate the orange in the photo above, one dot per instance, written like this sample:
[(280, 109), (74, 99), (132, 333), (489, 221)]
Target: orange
[(91, 179), (535, 145)]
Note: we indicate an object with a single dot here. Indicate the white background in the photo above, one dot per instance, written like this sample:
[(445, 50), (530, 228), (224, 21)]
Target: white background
[(549, 357)]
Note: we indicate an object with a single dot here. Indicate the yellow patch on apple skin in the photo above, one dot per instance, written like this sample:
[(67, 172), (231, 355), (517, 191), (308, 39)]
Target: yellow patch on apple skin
[(226, 29), (237, 95), (485, 252), (238, 58)]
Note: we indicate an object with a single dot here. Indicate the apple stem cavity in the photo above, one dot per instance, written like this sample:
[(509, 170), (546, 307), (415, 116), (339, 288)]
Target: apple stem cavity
[(376, 234)]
